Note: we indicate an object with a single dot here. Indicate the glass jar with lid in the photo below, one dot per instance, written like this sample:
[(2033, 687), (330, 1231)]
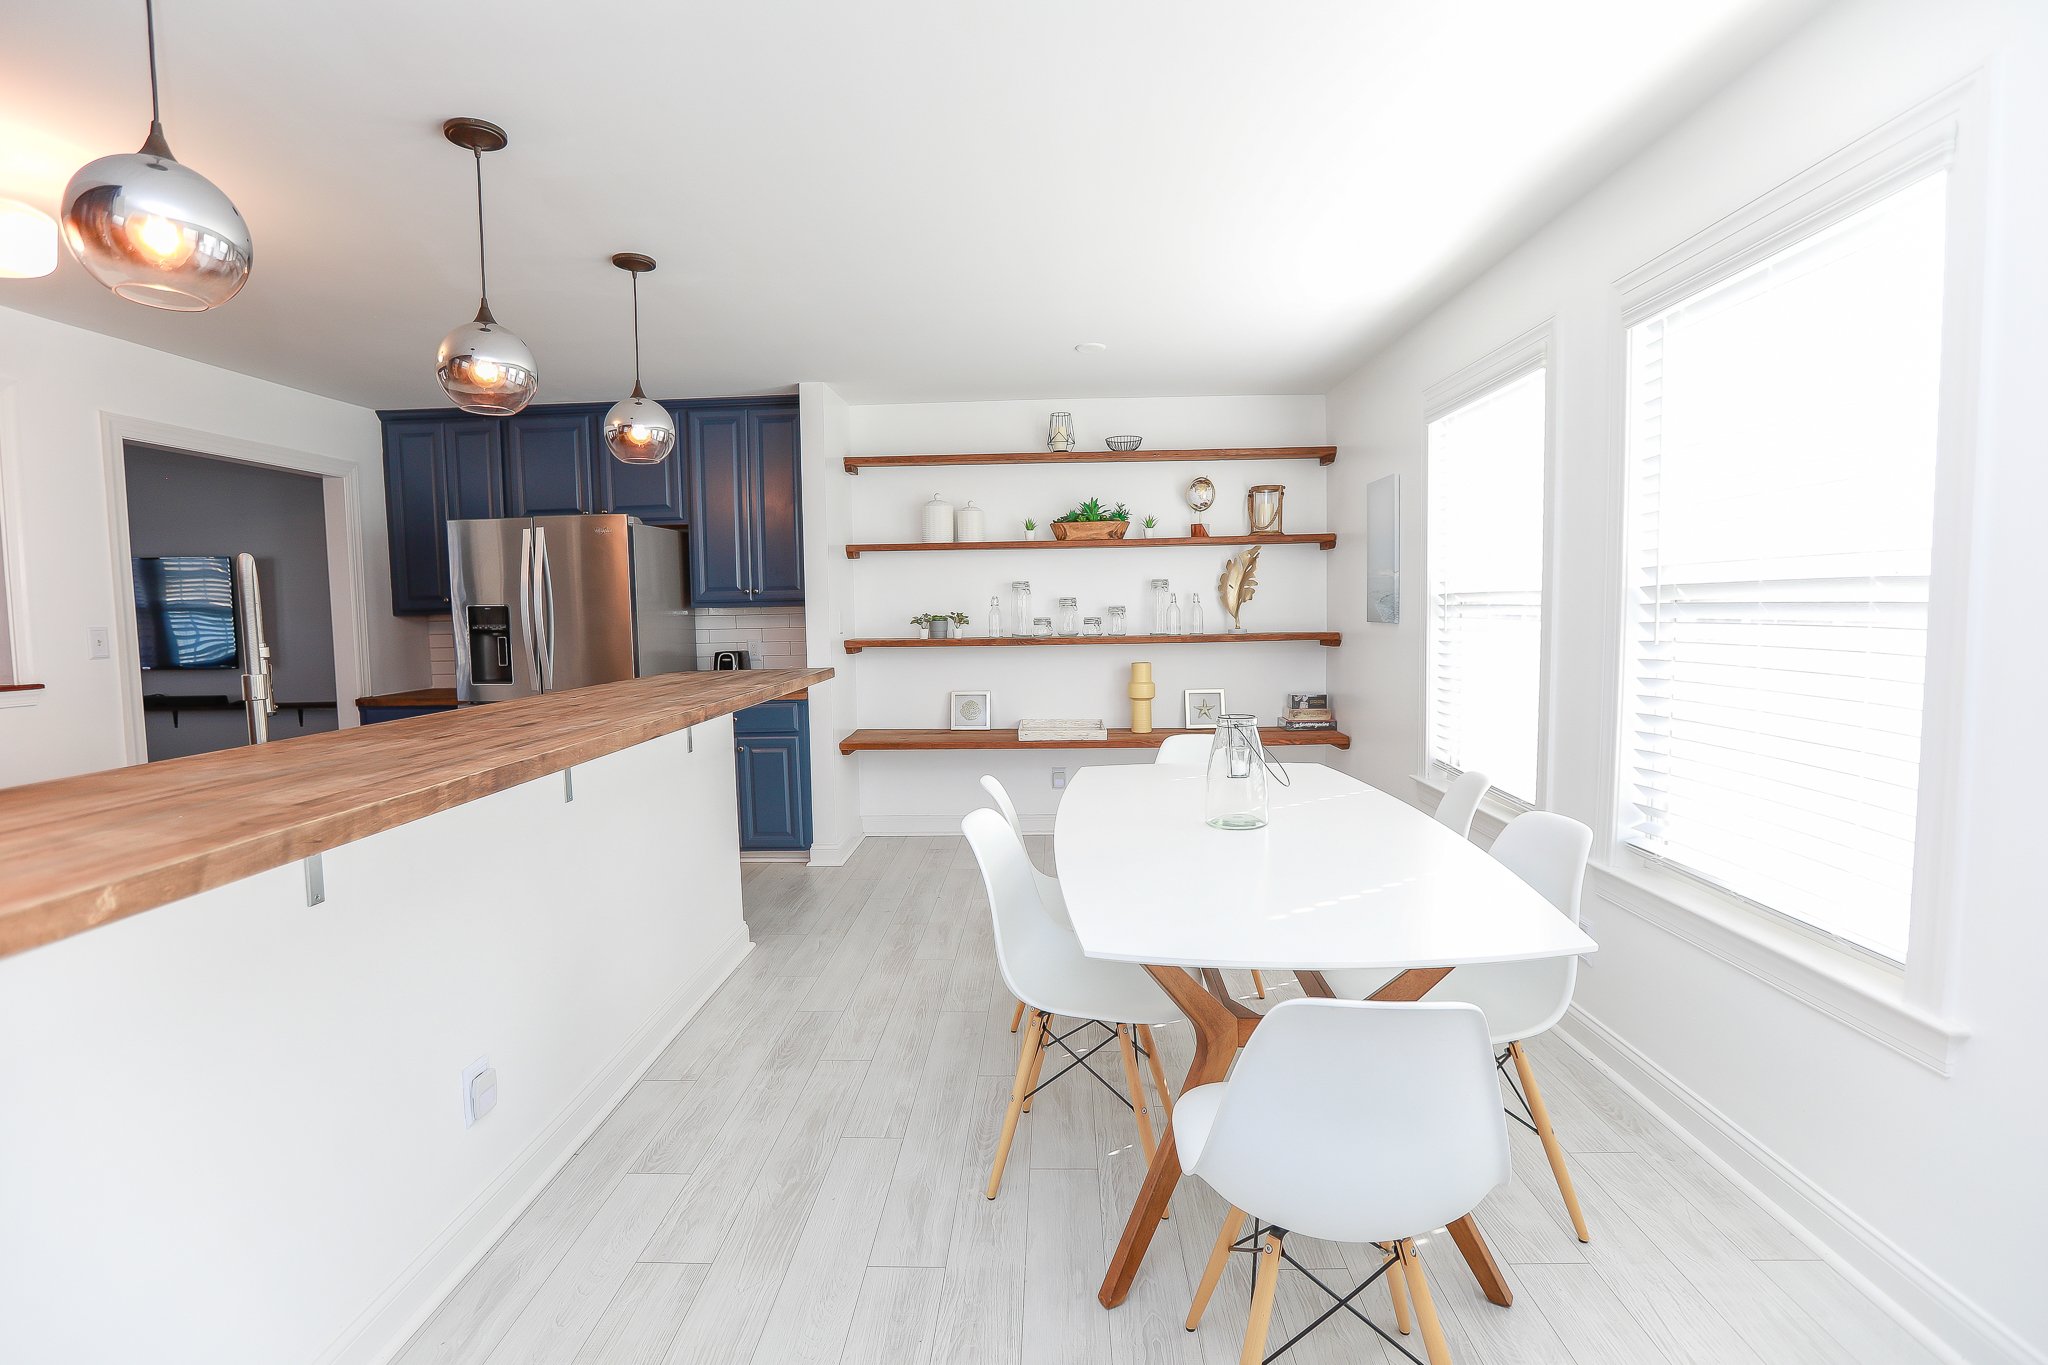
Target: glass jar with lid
[(1117, 624), (1159, 586), (1070, 616), (1021, 592), (1091, 625), (1041, 626)]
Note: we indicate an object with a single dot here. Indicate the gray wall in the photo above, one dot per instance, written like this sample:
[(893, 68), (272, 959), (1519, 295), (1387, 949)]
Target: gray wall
[(180, 504)]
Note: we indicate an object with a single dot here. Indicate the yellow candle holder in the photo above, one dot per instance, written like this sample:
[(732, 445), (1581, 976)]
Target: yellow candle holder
[(1142, 691)]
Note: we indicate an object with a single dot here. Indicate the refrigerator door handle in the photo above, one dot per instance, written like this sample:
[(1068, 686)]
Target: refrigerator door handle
[(545, 592), (526, 601)]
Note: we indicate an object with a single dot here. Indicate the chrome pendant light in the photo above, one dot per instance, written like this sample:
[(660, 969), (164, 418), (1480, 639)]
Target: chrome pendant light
[(483, 367), (638, 430), (151, 230)]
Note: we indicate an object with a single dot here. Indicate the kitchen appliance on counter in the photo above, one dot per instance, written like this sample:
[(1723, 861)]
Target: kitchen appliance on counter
[(542, 604), (729, 660)]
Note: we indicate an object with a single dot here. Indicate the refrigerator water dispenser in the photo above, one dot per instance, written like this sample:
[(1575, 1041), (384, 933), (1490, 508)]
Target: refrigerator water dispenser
[(490, 644)]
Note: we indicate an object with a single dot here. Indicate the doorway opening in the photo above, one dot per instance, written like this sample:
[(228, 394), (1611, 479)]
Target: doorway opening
[(188, 516)]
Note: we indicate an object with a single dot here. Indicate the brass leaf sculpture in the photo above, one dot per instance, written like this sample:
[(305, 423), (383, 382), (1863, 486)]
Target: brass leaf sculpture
[(1239, 584)]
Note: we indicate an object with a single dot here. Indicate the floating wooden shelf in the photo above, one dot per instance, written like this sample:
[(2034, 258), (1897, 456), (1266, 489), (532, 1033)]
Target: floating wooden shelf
[(924, 741), (1323, 540), (1330, 638), (1320, 454)]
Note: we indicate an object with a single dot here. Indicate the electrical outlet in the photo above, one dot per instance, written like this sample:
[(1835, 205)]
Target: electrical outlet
[(100, 641), (479, 1091), (1059, 779)]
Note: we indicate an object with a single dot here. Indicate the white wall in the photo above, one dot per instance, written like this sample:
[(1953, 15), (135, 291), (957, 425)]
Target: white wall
[(231, 1128), (1928, 1184), (56, 385), (910, 793), (828, 609)]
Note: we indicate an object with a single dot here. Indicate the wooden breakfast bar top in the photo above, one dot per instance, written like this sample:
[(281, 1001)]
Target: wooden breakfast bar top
[(82, 851)]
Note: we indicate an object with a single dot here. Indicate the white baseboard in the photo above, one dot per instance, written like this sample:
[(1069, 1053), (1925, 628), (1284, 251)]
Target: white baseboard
[(775, 855), (1949, 1324), (899, 825), (382, 1329), (835, 855)]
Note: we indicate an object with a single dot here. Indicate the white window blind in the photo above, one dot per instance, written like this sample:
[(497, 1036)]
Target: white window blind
[(1782, 433), (1486, 584)]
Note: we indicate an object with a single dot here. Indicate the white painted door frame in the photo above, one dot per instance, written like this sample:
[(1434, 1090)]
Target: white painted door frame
[(339, 482)]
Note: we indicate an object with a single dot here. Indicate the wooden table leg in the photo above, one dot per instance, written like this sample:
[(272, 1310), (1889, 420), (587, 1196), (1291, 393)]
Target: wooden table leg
[(1465, 1233), (1216, 1042)]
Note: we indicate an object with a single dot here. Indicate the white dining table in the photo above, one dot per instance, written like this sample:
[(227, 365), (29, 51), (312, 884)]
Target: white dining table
[(1342, 876)]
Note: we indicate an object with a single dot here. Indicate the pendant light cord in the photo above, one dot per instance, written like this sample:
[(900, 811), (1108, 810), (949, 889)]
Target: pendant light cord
[(149, 20), (636, 336), (483, 279)]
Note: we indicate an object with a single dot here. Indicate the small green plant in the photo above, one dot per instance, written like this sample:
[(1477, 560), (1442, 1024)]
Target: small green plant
[(1093, 510), (1030, 525), (1151, 522), (958, 618)]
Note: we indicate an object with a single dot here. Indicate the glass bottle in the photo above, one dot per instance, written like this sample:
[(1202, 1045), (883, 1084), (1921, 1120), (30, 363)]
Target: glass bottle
[(1041, 626), (1234, 793), (1116, 621), (1070, 616), (1172, 614), (994, 626), (1091, 625), (1194, 613), (1159, 607), (1021, 590)]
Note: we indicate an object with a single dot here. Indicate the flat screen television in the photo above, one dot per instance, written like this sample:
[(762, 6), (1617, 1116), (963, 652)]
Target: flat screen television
[(185, 612)]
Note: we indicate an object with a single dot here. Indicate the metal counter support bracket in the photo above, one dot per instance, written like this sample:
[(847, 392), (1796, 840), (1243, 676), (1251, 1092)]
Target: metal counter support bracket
[(316, 881), (568, 785), (690, 734)]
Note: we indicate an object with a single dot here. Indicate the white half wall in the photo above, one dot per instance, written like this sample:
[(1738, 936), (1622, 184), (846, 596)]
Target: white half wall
[(58, 386), (929, 792), (1925, 1185), (828, 607), (232, 1128)]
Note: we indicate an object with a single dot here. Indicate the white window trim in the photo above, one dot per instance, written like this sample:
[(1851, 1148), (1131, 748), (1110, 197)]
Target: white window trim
[(1912, 1009), (1509, 361)]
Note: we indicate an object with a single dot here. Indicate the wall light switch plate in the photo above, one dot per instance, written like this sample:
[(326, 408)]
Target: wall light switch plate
[(479, 1091), (101, 642), (1059, 779)]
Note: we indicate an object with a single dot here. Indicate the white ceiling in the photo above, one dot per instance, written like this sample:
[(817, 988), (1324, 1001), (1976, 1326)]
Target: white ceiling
[(913, 199)]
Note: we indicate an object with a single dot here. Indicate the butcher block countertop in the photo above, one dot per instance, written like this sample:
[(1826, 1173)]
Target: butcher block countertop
[(83, 851)]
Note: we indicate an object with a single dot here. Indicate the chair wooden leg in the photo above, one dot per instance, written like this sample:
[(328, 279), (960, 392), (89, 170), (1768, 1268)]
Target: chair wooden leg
[(1219, 1260), (1433, 1343), (1397, 1290), (1037, 1066), (1265, 1282), (1016, 1015), (1158, 1072), (1552, 1148), (1028, 1057), (1259, 985), (1141, 1108)]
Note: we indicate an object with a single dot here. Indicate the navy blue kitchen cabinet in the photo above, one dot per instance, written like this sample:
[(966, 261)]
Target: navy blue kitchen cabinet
[(549, 461), (436, 469), (772, 769), (746, 505)]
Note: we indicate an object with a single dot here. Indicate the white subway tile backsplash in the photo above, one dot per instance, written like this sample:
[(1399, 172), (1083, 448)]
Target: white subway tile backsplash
[(772, 636)]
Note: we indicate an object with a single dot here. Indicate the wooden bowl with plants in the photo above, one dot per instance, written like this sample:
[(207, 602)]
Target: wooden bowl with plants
[(1092, 521)]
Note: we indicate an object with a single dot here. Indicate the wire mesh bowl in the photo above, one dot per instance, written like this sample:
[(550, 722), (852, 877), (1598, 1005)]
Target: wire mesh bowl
[(1125, 442)]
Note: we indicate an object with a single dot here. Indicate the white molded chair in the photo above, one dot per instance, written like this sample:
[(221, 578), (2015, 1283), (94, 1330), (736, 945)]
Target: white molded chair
[(1522, 999), (1461, 801), (1192, 751), (1185, 750), (1048, 885), (1044, 967), (1299, 1142)]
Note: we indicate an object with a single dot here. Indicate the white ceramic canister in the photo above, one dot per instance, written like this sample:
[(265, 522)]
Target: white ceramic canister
[(971, 524), (938, 521)]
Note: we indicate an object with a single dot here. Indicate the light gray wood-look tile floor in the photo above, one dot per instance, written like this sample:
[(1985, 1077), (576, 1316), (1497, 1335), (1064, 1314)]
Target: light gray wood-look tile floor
[(798, 1179)]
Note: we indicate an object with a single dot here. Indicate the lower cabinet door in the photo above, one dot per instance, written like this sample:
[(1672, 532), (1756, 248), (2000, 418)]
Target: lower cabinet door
[(773, 794)]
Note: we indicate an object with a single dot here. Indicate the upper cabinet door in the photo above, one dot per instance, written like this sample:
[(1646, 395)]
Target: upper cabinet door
[(548, 459), (651, 492), (721, 546), (777, 498), (435, 468)]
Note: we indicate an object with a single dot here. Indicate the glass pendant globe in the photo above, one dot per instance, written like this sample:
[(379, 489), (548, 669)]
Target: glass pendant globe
[(486, 369), (639, 430), (156, 232)]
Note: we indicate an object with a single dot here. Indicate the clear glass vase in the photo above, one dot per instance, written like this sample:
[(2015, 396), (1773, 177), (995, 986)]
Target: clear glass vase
[(1235, 794)]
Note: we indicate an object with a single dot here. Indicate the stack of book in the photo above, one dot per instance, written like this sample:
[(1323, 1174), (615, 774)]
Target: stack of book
[(1061, 731), (1307, 711)]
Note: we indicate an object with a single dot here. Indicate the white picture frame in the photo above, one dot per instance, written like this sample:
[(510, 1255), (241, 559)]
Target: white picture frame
[(1201, 708), (968, 710)]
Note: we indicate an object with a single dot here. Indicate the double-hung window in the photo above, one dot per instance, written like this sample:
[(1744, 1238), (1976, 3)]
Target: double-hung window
[(1485, 550), (1781, 435)]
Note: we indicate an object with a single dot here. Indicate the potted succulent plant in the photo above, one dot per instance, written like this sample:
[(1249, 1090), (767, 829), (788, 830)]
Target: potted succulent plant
[(938, 625), (1145, 529), (1092, 521), (1030, 529)]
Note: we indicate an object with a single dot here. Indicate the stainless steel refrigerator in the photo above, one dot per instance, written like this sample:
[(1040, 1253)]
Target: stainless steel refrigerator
[(547, 603)]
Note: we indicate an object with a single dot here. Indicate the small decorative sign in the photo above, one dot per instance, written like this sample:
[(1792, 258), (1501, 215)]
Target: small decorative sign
[(970, 710)]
